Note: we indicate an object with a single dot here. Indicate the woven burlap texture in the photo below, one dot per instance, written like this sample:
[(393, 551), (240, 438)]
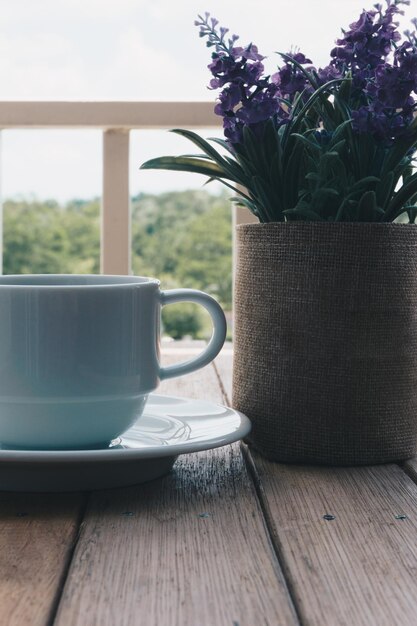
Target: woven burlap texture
[(325, 341)]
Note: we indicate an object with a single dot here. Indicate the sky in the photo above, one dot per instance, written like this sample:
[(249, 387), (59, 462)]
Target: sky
[(131, 50)]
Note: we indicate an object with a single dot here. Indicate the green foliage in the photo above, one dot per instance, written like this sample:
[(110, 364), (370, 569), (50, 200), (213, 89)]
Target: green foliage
[(45, 238), (179, 320), (205, 259), (185, 237)]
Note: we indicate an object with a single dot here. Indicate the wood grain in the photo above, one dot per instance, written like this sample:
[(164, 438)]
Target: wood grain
[(223, 368), (189, 549), (359, 568), (410, 467), (37, 535)]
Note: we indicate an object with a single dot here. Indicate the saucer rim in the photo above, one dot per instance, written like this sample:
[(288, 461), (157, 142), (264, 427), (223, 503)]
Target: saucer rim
[(129, 454)]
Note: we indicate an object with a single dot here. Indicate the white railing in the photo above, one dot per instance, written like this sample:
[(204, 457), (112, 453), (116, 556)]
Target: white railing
[(116, 120)]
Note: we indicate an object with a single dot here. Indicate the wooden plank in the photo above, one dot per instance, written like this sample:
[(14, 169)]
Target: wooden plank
[(37, 535), (358, 568), (410, 467), (201, 384), (187, 549)]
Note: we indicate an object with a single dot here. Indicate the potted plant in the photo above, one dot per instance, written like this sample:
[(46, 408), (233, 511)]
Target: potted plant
[(325, 331)]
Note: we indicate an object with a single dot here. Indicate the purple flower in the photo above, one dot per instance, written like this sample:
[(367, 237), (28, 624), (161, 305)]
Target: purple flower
[(406, 58), (291, 79), (228, 100), (369, 40), (392, 86), (384, 125), (227, 69), (258, 109), (383, 75), (328, 73), (248, 98), (381, 69), (250, 53), (232, 130)]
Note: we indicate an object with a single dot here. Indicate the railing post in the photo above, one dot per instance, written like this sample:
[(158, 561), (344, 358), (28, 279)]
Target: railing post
[(1, 204), (115, 209)]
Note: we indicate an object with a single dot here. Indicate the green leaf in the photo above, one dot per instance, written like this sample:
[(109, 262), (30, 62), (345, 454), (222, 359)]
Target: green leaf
[(201, 143), (186, 164), (222, 142), (305, 213), (345, 89), (326, 192), (399, 152), (311, 101), (276, 182), (232, 170), (263, 193), (270, 140), (289, 59), (238, 191), (364, 182), (249, 204), (341, 209), (401, 198), (313, 176), (385, 189), (340, 133), (337, 147), (293, 174), (367, 207), (307, 142), (412, 214), (252, 148), (328, 111)]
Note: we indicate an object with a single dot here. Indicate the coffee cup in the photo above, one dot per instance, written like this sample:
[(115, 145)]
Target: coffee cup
[(79, 355)]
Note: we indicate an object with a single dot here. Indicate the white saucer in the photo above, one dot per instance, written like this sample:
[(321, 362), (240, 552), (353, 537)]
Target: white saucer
[(169, 427)]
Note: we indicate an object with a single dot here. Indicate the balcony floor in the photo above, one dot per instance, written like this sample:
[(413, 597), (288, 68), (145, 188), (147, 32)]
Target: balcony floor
[(226, 539)]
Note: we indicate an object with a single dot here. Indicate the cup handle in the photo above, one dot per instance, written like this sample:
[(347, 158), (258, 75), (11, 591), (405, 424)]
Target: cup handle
[(217, 339)]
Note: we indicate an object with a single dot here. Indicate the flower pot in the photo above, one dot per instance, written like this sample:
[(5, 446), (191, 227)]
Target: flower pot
[(325, 339)]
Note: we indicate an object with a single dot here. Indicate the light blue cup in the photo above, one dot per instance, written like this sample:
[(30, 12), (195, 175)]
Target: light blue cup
[(79, 355)]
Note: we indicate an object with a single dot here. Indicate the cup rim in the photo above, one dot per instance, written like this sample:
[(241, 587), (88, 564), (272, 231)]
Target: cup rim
[(74, 281)]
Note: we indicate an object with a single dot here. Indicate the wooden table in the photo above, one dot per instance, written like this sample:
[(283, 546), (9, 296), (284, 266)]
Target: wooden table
[(227, 539)]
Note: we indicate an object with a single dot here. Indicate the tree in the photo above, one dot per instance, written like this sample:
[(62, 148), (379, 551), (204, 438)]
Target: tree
[(45, 238), (205, 261), (186, 236)]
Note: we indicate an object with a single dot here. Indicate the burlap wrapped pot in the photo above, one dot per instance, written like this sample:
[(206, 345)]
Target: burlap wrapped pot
[(325, 340)]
